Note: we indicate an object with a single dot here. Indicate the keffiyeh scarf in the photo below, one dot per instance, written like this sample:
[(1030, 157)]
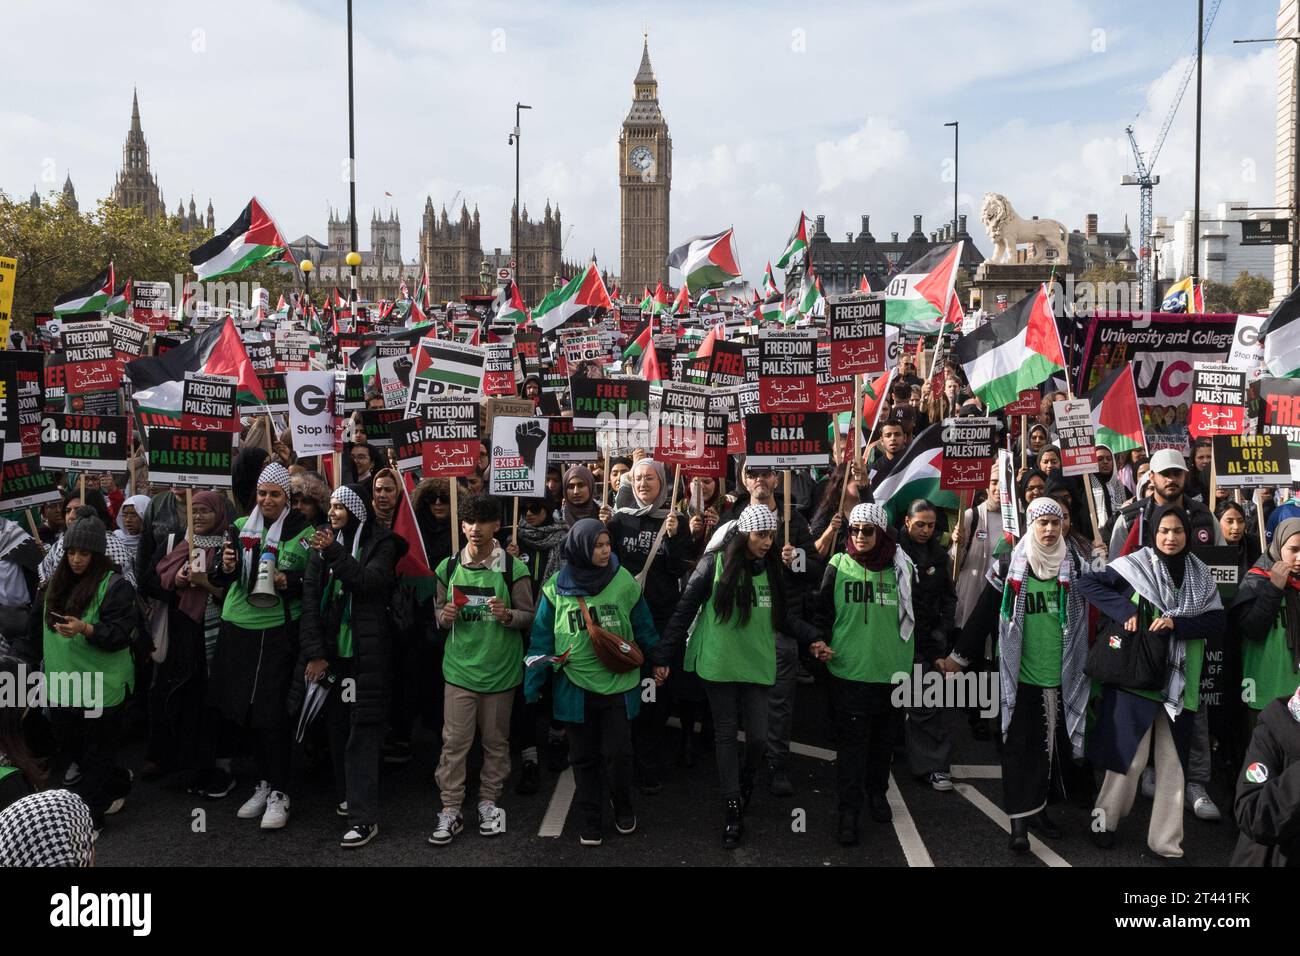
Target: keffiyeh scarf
[(1149, 577)]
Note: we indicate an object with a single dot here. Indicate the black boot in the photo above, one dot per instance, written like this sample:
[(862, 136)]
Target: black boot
[(848, 832), (1044, 826), (687, 755), (1019, 835), (878, 805), (734, 827), (746, 786)]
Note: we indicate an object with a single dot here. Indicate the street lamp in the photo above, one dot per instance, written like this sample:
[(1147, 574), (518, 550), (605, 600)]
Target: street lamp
[(955, 124), (513, 140), (353, 259), (484, 276), (306, 266), (556, 282), (352, 159)]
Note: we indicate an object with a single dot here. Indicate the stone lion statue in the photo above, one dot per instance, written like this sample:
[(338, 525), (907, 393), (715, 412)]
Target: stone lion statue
[(1007, 230)]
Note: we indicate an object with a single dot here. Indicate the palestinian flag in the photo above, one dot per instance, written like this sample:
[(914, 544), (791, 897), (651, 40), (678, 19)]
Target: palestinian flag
[(812, 294), (864, 285), (916, 475), (93, 296), (252, 238), (706, 261), (709, 298), (513, 311), (157, 382), (1116, 417), (873, 397), (769, 283), (661, 300), (927, 288), (121, 301), (460, 368), (796, 244), (422, 293), (415, 562), (682, 304), (639, 345), (651, 370), (773, 311), (1281, 334), (1019, 349), (582, 298), (648, 303)]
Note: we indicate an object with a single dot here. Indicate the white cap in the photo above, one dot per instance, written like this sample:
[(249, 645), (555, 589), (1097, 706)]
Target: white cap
[(1166, 459)]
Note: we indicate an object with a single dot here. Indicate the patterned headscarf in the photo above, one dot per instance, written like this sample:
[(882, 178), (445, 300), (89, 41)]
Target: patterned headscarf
[(250, 536), (356, 506), (757, 518), (48, 828)]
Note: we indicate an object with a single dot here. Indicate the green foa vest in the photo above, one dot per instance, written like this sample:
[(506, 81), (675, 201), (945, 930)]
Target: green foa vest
[(1268, 664), (237, 610), (866, 640), (482, 654), (1043, 647), (724, 651), (69, 659), (612, 610)]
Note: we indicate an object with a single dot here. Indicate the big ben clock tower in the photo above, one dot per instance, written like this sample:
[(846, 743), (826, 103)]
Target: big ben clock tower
[(645, 168)]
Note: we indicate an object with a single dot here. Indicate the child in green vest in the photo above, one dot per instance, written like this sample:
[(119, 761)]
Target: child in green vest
[(594, 702), (865, 604), (484, 601), (85, 630), (733, 605)]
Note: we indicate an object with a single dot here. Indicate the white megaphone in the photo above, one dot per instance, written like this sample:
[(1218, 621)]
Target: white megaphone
[(263, 593)]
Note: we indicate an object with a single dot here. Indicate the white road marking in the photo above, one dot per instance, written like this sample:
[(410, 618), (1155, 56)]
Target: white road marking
[(558, 809), (976, 771), (909, 838), (985, 805)]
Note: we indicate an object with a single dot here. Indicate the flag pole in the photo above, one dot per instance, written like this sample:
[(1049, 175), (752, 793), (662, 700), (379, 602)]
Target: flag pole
[(963, 499), (455, 523), (786, 508)]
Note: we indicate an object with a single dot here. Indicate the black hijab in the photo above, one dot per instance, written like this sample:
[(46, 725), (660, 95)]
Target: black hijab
[(580, 574), (1175, 563)]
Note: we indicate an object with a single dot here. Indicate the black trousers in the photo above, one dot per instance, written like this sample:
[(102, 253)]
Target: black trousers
[(1035, 748), (600, 751), (354, 752), (865, 725), (92, 743)]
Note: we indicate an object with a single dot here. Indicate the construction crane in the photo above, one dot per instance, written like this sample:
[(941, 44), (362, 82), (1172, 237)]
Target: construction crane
[(1144, 179)]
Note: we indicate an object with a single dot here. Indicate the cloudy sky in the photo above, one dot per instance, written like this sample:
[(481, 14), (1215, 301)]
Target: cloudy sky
[(833, 108)]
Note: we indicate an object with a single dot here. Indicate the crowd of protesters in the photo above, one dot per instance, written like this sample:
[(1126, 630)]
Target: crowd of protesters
[(242, 633)]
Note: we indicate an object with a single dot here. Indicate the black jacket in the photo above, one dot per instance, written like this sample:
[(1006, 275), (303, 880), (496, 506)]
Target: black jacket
[(798, 584), (1268, 810), (1205, 527), (370, 583), (631, 537), (118, 623), (934, 599)]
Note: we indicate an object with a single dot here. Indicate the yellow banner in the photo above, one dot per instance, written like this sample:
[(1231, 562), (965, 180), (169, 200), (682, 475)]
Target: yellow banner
[(8, 272)]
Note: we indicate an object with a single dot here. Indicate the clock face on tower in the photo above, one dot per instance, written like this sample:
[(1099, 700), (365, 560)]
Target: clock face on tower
[(641, 159)]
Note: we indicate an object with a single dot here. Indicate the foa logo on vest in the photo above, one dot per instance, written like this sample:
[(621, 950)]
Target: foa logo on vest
[(75, 909)]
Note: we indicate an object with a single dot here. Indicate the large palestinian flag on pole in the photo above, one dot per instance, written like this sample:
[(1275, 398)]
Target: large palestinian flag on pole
[(918, 297), (796, 244), (1116, 417), (513, 311), (252, 238), (1019, 349), (1281, 335), (581, 298), (93, 296), (706, 261), (157, 382), (916, 476)]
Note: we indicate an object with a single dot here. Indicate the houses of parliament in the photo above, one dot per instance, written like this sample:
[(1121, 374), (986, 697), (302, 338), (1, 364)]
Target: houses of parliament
[(450, 248)]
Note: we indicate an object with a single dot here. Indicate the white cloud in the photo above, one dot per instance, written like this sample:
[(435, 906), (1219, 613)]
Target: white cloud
[(862, 155)]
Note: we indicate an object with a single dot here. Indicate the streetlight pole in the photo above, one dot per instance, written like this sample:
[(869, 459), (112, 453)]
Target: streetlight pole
[(352, 165), (955, 124), (514, 141), (1295, 155), (1196, 199)]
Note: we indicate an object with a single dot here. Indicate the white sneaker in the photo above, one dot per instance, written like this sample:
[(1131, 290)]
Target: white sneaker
[(1149, 783), (489, 819), (940, 781), (1202, 806), (277, 811), (255, 806), (449, 824)]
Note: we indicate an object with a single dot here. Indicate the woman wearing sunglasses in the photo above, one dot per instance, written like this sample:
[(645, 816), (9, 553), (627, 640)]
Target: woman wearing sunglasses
[(865, 605)]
